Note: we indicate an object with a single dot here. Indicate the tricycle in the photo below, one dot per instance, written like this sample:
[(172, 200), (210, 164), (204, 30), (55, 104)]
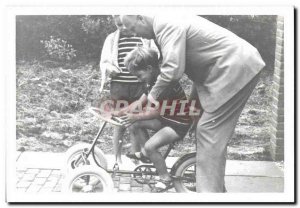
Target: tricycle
[(86, 167)]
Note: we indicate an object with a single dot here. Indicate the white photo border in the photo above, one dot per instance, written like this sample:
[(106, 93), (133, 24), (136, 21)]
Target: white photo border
[(10, 106)]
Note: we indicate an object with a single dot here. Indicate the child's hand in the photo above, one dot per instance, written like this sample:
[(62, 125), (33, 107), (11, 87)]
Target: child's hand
[(113, 71), (131, 117)]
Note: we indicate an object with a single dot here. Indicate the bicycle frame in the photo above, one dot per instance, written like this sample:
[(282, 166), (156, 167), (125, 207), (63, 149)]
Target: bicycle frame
[(91, 151), (144, 173)]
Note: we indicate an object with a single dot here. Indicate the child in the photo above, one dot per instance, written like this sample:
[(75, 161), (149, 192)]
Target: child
[(169, 126), (123, 85)]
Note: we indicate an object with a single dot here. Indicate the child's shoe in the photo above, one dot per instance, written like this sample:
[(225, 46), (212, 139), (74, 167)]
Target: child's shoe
[(138, 156)]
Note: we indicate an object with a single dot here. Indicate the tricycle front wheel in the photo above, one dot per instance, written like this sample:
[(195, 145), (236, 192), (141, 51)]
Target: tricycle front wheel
[(88, 179), (78, 151)]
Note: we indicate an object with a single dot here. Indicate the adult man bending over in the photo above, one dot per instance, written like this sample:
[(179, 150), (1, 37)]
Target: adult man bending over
[(224, 68)]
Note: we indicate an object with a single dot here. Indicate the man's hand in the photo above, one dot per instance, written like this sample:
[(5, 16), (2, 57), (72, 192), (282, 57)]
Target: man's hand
[(121, 112), (193, 127), (113, 70)]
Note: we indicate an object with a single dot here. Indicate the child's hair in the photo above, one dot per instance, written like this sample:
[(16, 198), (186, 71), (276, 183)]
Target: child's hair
[(140, 58)]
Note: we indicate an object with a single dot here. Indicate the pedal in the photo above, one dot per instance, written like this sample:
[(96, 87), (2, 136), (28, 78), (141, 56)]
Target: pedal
[(115, 169)]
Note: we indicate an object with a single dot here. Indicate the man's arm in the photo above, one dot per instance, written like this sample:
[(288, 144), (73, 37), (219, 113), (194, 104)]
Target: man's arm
[(197, 107), (171, 38), (193, 95)]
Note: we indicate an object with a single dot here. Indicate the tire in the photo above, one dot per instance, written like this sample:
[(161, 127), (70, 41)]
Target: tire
[(187, 168), (75, 151), (88, 179)]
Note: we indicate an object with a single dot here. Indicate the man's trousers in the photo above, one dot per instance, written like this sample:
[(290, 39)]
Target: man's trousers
[(213, 132)]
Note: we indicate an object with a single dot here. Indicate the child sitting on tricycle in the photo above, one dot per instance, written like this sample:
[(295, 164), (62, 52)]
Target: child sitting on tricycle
[(169, 115)]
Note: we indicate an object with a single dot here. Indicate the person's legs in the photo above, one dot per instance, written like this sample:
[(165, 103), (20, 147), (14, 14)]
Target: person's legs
[(139, 130), (135, 145), (136, 90), (117, 142), (213, 133), (164, 136), (118, 91)]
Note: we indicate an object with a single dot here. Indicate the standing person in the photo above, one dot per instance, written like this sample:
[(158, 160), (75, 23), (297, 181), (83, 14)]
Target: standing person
[(123, 85), (224, 68)]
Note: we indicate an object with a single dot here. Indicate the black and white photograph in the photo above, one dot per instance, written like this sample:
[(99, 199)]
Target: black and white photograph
[(150, 104)]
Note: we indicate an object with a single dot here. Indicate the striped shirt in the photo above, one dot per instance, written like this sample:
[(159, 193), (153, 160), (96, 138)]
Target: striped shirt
[(126, 45)]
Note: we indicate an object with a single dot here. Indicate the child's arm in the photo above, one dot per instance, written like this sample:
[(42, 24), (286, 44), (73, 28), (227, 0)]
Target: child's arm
[(106, 59), (106, 63), (140, 102), (147, 114), (112, 70)]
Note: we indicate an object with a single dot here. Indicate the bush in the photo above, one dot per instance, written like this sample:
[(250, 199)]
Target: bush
[(86, 34), (79, 31), (58, 49), (259, 30)]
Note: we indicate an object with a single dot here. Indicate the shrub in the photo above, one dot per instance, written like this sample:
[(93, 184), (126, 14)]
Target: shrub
[(58, 49), (87, 33), (259, 30)]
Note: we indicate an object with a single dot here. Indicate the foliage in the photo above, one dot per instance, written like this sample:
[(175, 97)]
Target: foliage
[(87, 33), (259, 30), (90, 25), (52, 103), (86, 38), (58, 49)]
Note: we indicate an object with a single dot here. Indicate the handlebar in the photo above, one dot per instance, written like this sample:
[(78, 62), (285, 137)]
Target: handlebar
[(107, 116)]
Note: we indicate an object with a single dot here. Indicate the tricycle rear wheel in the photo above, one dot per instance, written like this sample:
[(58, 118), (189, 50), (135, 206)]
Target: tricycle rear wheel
[(185, 175)]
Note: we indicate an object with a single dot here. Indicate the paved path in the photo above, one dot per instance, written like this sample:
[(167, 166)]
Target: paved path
[(42, 172)]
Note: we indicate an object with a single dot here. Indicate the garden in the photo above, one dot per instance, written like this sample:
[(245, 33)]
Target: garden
[(58, 80)]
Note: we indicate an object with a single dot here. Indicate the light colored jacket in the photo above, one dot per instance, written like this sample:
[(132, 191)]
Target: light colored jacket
[(218, 62), (109, 54)]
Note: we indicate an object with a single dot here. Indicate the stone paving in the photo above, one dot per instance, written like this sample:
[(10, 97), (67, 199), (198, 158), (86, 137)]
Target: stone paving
[(34, 180), (34, 175)]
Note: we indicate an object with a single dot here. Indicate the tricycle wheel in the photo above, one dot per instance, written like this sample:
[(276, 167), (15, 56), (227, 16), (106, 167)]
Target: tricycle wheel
[(76, 151), (88, 179), (185, 175)]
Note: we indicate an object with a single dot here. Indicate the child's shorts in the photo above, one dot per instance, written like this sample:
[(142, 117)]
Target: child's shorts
[(180, 128), (127, 91)]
